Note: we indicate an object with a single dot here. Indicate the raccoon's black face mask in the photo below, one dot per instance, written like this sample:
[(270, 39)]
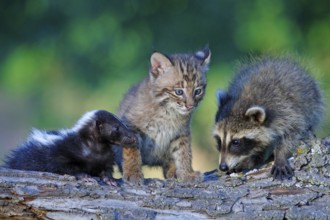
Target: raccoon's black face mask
[(242, 143)]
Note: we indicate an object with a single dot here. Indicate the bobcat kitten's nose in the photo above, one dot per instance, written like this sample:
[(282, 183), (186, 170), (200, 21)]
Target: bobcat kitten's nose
[(189, 107)]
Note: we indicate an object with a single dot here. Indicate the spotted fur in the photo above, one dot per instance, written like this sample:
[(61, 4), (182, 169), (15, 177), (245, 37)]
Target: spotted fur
[(159, 108)]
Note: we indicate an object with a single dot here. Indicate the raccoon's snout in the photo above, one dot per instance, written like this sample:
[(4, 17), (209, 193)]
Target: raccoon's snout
[(223, 167)]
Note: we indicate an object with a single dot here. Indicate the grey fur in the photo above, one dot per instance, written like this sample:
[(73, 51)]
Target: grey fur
[(292, 103)]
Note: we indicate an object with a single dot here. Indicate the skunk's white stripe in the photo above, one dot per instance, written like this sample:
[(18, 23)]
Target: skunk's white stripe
[(43, 138), (87, 117)]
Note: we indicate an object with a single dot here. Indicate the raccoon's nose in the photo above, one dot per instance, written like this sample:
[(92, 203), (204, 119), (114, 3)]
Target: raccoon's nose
[(223, 167)]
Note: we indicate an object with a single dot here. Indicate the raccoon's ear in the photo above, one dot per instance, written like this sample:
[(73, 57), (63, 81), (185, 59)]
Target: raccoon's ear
[(222, 97), (256, 113), (204, 55), (159, 63)]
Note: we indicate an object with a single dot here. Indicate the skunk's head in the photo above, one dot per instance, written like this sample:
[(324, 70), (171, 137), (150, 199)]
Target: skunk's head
[(105, 127)]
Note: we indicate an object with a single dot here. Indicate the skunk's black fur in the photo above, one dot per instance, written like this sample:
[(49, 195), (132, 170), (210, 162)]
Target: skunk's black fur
[(84, 149)]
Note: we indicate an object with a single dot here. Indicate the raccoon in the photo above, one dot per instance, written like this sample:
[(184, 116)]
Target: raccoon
[(270, 105), (83, 151)]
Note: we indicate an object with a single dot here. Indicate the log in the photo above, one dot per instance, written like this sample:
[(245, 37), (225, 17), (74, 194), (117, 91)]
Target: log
[(253, 195)]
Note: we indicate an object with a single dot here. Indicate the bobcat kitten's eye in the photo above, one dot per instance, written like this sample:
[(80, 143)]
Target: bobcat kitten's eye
[(198, 91), (179, 92)]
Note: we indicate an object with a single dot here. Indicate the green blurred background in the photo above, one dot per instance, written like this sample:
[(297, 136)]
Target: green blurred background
[(59, 59)]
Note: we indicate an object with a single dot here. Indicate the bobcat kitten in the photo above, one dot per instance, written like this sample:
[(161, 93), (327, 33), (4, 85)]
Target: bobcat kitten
[(159, 109), (271, 104)]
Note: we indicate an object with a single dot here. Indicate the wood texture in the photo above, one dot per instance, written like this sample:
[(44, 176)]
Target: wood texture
[(255, 195)]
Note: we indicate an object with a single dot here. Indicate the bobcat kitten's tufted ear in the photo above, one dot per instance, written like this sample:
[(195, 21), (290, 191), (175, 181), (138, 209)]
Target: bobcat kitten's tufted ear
[(159, 63), (204, 55), (256, 113)]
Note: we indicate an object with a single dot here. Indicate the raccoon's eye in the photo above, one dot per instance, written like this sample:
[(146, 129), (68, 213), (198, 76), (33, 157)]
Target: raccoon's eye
[(235, 145), (178, 92), (235, 142)]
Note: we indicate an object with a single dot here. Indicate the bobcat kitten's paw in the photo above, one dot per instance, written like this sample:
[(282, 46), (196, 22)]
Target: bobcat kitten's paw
[(135, 177), (132, 171)]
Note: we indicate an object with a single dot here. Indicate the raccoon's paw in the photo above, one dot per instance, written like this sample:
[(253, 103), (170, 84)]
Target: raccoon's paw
[(282, 170), (193, 177), (134, 177)]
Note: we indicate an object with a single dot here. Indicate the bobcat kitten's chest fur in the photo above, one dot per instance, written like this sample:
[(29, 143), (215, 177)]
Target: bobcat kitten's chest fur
[(160, 131), (160, 109)]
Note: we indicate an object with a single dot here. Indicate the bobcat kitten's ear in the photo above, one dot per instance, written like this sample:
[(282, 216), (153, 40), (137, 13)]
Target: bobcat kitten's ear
[(159, 63), (204, 55)]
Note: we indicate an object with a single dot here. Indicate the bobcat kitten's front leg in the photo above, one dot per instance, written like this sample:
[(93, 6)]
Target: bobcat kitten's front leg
[(182, 156), (132, 165), (169, 170)]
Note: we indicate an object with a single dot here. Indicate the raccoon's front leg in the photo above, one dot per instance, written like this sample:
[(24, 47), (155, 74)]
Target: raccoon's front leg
[(281, 168), (132, 165), (182, 157)]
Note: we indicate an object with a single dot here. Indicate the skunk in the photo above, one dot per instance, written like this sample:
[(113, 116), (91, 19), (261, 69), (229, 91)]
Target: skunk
[(84, 150)]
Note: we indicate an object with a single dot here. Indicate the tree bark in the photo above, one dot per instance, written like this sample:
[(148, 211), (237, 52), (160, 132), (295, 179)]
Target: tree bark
[(254, 195)]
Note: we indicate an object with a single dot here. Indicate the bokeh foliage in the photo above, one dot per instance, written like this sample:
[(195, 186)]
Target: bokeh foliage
[(61, 58)]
